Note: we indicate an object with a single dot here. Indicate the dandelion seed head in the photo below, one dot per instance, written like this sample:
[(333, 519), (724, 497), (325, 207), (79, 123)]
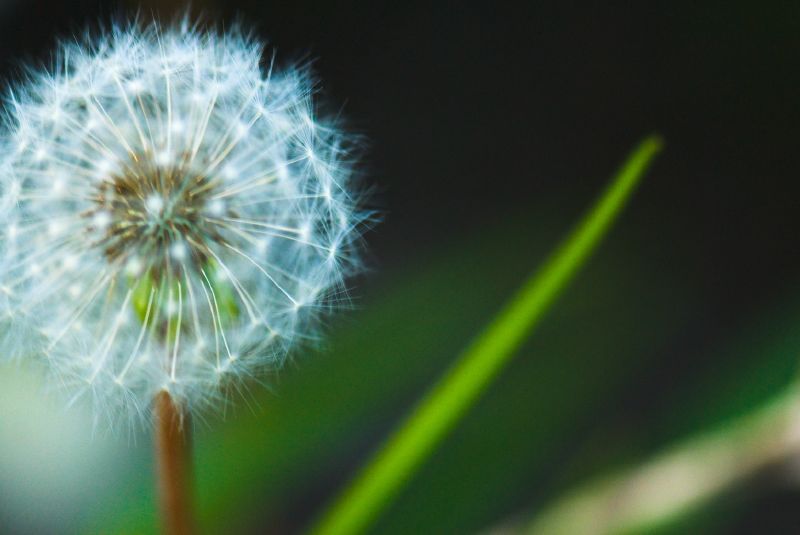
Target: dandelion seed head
[(176, 216)]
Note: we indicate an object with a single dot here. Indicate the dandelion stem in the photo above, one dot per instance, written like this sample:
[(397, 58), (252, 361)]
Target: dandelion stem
[(173, 453)]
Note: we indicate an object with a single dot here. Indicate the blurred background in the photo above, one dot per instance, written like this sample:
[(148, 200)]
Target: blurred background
[(490, 130)]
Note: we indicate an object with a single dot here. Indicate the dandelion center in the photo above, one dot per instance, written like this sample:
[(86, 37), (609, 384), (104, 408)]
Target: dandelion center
[(167, 214)]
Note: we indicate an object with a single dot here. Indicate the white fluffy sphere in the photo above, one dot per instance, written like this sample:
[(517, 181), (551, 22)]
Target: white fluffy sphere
[(173, 215)]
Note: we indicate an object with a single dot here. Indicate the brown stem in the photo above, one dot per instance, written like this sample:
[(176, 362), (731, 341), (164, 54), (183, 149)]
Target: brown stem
[(173, 452)]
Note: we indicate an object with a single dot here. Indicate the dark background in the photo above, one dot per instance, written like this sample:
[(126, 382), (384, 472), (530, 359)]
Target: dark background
[(476, 114), (473, 111)]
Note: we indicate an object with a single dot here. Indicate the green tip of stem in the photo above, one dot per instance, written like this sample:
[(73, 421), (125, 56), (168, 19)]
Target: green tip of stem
[(655, 140)]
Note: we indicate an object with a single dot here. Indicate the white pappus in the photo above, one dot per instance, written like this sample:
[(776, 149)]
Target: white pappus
[(173, 215)]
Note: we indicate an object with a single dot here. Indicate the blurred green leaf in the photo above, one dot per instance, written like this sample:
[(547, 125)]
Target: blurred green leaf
[(678, 481), (727, 409)]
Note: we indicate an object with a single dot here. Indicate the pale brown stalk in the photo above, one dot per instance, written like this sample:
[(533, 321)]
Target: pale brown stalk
[(173, 466)]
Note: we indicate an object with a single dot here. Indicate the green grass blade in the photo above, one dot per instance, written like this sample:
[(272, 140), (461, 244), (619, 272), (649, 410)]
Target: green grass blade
[(456, 392)]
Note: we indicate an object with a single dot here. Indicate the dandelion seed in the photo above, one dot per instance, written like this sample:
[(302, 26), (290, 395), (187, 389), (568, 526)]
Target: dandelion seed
[(174, 215)]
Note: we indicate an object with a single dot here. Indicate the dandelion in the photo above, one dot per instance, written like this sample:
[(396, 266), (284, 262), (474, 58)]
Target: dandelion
[(175, 216)]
